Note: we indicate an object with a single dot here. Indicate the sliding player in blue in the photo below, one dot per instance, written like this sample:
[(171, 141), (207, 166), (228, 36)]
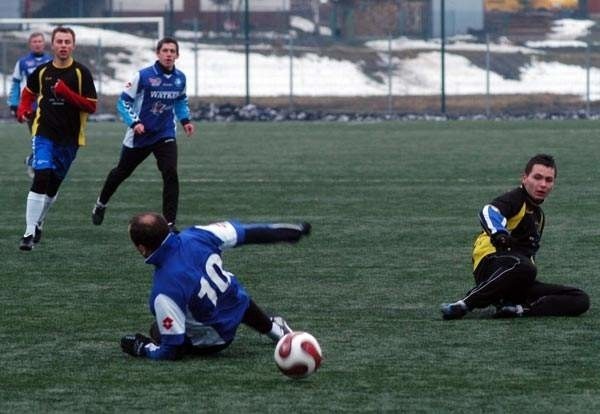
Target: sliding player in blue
[(503, 255), (197, 304)]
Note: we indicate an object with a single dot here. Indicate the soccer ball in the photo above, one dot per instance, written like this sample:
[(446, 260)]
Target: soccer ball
[(298, 354)]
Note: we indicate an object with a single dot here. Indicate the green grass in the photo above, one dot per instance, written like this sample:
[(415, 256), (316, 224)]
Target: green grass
[(394, 208)]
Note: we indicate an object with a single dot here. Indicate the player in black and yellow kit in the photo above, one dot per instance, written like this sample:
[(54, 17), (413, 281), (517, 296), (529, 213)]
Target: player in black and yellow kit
[(65, 93), (503, 254)]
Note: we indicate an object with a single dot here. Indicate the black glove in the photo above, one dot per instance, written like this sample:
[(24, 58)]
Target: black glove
[(13, 110), (134, 344), (501, 241)]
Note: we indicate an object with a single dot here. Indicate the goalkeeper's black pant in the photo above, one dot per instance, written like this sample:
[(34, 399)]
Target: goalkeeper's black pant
[(509, 277)]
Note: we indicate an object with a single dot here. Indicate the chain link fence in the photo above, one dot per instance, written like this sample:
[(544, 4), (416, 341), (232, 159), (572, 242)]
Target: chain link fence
[(380, 57)]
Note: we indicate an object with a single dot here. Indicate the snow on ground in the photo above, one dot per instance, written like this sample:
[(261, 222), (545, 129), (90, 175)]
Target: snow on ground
[(222, 72)]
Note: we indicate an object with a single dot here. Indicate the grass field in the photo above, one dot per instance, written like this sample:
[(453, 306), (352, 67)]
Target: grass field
[(394, 209)]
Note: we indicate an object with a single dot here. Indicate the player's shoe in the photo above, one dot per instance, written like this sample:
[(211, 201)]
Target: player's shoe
[(509, 311), (305, 228), (37, 236), (29, 169), (454, 310), (98, 214), (26, 243)]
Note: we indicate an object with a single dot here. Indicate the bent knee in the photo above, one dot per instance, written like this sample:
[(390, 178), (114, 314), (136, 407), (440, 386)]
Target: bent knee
[(581, 303)]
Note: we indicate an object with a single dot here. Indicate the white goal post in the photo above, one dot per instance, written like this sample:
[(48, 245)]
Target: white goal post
[(160, 21)]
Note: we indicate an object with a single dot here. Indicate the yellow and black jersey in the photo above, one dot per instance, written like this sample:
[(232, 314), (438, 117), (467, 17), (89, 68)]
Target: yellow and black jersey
[(56, 118), (515, 213)]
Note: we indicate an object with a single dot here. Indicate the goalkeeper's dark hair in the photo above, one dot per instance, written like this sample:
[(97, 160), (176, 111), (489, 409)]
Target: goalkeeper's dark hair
[(167, 39), (62, 29), (542, 159), (148, 229)]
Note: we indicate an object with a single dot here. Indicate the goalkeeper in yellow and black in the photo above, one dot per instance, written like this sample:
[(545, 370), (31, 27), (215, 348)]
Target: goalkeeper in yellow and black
[(503, 255)]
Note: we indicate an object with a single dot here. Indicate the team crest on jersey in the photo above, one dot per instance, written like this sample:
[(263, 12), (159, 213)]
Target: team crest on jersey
[(154, 81), (167, 323), (177, 82)]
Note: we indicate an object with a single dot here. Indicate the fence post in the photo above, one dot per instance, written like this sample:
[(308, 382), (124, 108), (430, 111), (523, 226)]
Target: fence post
[(587, 80), (196, 57), (99, 71), (487, 75), (389, 106), (443, 56), (291, 52), (5, 69), (247, 48)]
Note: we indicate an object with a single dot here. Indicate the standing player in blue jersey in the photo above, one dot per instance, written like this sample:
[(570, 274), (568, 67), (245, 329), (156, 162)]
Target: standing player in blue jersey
[(503, 254), (23, 68), (196, 303), (65, 92), (150, 106)]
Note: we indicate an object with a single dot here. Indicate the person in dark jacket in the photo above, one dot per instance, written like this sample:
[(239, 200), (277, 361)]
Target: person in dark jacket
[(503, 254)]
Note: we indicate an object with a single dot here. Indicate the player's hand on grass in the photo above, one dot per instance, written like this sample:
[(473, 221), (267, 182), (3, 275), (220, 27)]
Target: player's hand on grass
[(135, 344)]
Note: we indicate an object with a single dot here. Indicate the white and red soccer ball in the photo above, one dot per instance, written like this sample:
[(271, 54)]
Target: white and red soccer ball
[(298, 354)]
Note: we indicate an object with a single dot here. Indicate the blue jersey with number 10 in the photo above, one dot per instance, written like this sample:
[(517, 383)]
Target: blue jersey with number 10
[(192, 295), (154, 98)]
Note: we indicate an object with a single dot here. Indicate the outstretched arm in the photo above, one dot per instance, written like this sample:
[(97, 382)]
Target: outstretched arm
[(170, 320)]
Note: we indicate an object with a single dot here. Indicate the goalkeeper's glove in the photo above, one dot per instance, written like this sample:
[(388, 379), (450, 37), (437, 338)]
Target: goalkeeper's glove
[(135, 344), (501, 241)]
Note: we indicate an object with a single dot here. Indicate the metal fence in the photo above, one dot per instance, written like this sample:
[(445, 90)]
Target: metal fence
[(391, 65)]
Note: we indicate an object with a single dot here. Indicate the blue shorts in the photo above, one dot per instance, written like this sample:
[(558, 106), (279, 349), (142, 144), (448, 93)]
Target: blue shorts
[(49, 155)]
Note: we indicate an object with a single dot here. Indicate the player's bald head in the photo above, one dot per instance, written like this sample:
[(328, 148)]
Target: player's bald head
[(148, 229)]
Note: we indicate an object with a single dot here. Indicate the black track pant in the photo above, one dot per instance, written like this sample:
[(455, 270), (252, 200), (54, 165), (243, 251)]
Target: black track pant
[(165, 153), (511, 277)]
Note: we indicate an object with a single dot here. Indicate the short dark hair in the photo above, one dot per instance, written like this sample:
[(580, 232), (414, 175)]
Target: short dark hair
[(62, 29), (542, 159), (167, 39), (148, 229)]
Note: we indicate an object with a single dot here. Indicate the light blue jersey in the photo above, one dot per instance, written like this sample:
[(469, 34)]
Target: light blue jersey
[(156, 99), (23, 68), (193, 298)]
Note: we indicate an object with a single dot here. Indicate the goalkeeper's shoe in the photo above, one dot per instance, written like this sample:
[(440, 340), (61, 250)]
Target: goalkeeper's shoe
[(283, 326), (98, 214), (454, 310), (305, 228), (509, 311), (26, 243)]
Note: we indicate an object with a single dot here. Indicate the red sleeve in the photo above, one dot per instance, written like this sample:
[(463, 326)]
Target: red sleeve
[(83, 103), (27, 100)]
